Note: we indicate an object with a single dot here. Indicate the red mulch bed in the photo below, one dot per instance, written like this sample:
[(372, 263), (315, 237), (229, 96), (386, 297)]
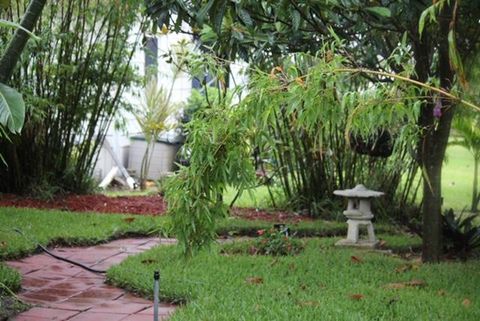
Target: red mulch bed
[(139, 205)]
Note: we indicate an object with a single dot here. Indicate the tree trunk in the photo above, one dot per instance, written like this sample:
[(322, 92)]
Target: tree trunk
[(476, 195), (7, 66), (15, 47), (433, 146), (432, 198)]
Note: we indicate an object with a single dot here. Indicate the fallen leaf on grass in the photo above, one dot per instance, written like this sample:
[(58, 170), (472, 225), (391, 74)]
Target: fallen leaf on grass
[(441, 292), (356, 259), (402, 285), (466, 303), (356, 296), (3, 244), (418, 283), (129, 219), (149, 261), (382, 244), (254, 280), (408, 267)]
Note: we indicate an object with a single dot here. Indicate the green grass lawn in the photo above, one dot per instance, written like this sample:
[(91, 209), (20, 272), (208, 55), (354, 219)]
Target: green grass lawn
[(322, 283), (50, 227), (258, 197), (457, 178), (57, 227)]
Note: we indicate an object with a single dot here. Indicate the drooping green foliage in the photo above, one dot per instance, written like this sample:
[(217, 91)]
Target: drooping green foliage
[(263, 31), (301, 116), (72, 80), (219, 155)]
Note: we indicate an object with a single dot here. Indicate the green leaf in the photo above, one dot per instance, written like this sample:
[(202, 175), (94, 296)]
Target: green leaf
[(334, 35), (204, 10), (245, 16), (208, 35), (421, 22), (8, 24), (296, 19), (219, 15), (455, 60), (12, 109), (380, 11)]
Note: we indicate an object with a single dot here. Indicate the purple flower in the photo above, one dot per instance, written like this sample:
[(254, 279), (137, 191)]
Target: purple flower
[(437, 110)]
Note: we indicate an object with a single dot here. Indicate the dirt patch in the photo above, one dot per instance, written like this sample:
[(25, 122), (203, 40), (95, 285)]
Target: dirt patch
[(140, 205)]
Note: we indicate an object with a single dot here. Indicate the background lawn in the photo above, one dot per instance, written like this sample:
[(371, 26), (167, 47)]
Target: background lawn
[(457, 184), (322, 283), (457, 178)]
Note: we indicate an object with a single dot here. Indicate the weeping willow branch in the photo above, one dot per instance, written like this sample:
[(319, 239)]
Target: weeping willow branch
[(384, 74), (412, 81)]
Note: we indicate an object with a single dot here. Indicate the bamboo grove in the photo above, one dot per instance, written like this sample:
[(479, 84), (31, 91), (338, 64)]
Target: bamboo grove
[(72, 80)]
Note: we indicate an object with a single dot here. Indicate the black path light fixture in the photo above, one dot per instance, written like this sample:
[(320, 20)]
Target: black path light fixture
[(156, 291)]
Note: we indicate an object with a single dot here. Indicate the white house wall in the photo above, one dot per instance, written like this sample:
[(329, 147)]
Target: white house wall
[(119, 139)]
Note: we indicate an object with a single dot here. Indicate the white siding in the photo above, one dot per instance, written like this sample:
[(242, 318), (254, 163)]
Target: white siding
[(161, 164), (119, 140)]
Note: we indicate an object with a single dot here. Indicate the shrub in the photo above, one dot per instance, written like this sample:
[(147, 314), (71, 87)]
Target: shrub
[(276, 242), (461, 236)]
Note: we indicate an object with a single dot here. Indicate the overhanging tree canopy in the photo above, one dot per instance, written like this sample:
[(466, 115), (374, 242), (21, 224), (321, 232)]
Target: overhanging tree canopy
[(262, 31)]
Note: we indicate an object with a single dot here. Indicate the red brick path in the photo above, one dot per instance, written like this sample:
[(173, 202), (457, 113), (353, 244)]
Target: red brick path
[(62, 291)]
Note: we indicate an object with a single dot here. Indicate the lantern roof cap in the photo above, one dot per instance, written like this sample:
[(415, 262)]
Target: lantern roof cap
[(359, 191)]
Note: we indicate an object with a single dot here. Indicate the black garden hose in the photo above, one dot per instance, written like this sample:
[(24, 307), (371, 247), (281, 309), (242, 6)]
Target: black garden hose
[(59, 257)]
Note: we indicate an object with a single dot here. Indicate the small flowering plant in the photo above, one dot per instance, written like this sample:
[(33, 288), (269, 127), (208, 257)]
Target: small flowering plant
[(276, 242)]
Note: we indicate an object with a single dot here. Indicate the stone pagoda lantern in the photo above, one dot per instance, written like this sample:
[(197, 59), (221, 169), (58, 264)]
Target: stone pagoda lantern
[(359, 214)]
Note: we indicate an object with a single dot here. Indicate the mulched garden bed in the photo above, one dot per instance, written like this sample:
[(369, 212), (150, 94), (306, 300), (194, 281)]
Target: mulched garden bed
[(139, 205), (142, 205)]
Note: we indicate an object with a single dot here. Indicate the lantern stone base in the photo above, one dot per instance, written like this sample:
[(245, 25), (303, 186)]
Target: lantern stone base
[(353, 234), (364, 244)]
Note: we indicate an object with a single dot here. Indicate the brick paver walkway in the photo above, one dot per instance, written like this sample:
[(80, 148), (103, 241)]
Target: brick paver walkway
[(62, 291)]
